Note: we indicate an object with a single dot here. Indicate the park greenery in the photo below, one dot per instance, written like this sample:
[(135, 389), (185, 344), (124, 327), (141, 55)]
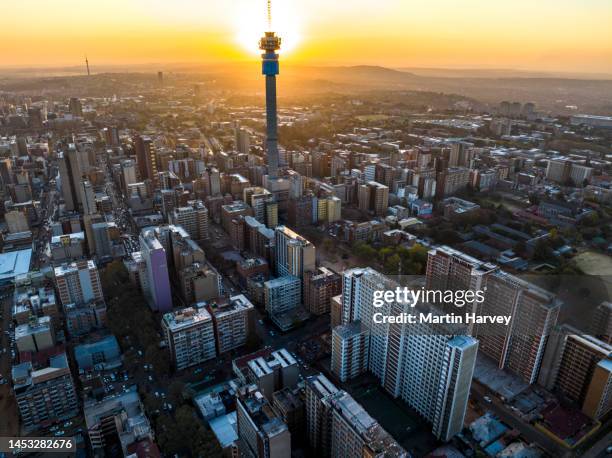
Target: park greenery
[(394, 260), (178, 433)]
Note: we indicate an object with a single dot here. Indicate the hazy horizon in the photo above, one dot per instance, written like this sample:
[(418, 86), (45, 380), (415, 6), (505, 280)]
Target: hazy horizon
[(546, 36)]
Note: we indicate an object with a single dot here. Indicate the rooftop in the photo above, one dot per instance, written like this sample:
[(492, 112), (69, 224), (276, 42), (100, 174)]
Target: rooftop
[(14, 263)]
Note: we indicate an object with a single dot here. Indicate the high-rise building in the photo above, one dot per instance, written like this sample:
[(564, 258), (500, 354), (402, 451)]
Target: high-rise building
[(198, 282), (431, 369), (294, 254), (598, 400), (146, 158), (16, 221), (265, 208), (157, 285), (78, 283), (570, 363), (270, 373), (75, 107), (373, 197), (35, 335), (88, 197), (70, 173), (243, 141), (451, 270), (232, 319), (355, 434), (116, 422), (518, 347), (318, 391), (319, 287), (350, 350), (46, 395), (190, 336), (601, 322), (262, 433), (193, 218), (282, 294)]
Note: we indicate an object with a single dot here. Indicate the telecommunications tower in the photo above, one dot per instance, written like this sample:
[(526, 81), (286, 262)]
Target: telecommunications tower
[(270, 43)]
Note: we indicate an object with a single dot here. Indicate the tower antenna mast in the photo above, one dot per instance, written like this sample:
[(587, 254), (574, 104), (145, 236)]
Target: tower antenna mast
[(269, 15)]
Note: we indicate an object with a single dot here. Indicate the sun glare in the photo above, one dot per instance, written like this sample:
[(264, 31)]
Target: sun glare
[(251, 23)]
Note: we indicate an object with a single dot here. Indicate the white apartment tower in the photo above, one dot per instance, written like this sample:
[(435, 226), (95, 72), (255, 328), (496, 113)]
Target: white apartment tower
[(190, 336)]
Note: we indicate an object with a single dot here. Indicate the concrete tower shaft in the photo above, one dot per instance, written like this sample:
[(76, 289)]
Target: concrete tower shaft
[(270, 43)]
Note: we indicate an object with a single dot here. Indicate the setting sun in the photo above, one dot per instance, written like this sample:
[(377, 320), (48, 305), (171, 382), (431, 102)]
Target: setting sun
[(251, 23)]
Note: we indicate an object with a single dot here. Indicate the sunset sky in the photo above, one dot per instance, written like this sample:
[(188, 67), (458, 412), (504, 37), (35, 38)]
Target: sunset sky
[(572, 35)]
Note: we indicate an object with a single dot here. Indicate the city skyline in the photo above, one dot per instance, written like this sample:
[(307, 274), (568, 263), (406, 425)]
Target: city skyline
[(567, 36)]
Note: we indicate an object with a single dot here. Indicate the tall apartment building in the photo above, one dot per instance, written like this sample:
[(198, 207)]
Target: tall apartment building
[(429, 368), (82, 319), (300, 211), (88, 197), (46, 395), (601, 322), (190, 336), (451, 270), (261, 431), (562, 170), (451, 180), (35, 335), (146, 158), (198, 282), (116, 422), (598, 400), (243, 141), (70, 173), (519, 347), (211, 181), (16, 221), (270, 373), (78, 283), (232, 321), (156, 286), (319, 287), (282, 294), (294, 254), (350, 350), (318, 390), (355, 434), (373, 197), (193, 218), (570, 364), (128, 173), (265, 208)]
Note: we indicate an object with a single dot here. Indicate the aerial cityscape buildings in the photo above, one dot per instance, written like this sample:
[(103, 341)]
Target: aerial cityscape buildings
[(375, 264)]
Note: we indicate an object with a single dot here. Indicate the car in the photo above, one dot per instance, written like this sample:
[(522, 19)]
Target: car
[(487, 399), (150, 378)]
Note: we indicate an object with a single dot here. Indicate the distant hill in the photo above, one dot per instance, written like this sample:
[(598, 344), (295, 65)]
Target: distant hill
[(549, 91)]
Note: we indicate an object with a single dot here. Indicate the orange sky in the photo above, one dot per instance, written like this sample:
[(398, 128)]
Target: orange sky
[(572, 35)]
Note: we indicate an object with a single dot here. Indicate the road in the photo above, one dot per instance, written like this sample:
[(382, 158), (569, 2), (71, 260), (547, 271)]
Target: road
[(528, 431), (9, 423)]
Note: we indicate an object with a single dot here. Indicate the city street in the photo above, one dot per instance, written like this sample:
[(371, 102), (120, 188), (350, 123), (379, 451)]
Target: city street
[(478, 392)]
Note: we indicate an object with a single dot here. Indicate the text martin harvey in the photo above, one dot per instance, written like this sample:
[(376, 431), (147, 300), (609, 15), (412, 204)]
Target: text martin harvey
[(433, 318)]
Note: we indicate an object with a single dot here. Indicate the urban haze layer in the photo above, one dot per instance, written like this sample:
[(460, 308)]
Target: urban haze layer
[(188, 270)]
